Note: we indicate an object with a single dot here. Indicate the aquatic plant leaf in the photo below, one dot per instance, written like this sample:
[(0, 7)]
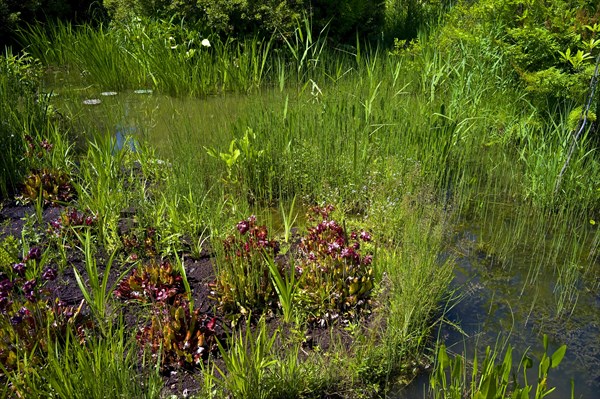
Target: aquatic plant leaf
[(507, 364), (443, 358), (558, 356), (488, 389), (92, 101)]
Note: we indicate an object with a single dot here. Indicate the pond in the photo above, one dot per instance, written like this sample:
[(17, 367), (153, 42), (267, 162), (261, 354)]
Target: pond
[(497, 300), (496, 307)]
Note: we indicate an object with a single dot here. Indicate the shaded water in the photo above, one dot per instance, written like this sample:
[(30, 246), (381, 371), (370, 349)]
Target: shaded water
[(494, 309), (157, 118), (499, 303)]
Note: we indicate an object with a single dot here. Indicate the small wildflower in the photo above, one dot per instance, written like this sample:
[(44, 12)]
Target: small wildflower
[(211, 324), (205, 43), (49, 274), (243, 227), (34, 253), (46, 145), (365, 236), (16, 319), (262, 233), (5, 286), (28, 289), (20, 268)]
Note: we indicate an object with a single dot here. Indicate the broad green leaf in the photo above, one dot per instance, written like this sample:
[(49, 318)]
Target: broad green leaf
[(491, 393), (443, 358), (507, 364), (544, 365), (558, 356)]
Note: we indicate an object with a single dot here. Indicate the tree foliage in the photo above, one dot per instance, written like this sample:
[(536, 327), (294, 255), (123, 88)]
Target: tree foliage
[(14, 13), (343, 18)]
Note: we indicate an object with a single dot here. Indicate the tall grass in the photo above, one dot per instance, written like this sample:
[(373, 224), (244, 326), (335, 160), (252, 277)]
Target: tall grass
[(101, 188), (152, 53), (100, 368), (23, 113)]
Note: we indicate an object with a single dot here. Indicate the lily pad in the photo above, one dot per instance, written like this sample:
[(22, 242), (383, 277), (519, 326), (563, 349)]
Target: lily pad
[(92, 101)]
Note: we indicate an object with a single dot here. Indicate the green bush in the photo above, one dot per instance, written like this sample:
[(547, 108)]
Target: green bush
[(237, 17), (14, 14), (551, 45), (343, 19), (404, 18)]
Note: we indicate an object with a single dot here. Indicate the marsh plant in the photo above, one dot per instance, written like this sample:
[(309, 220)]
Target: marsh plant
[(20, 78), (243, 278), (335, 274), (326, 275), (249, 359), (44, 184), (140, 244), (151, 282), (31, 315), (492, 376), (94, 283), (70, 219), (179, 335), (96, 367)]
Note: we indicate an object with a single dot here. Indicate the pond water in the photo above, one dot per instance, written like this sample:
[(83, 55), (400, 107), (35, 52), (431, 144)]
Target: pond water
[(159, 119), (494, 305), (494, 309)]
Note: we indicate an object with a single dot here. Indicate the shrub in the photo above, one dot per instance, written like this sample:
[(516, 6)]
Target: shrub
[(551, 45), (344, 19), (14, 14)]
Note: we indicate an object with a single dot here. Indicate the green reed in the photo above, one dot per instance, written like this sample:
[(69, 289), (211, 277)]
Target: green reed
[(23, 113), (96, 368)]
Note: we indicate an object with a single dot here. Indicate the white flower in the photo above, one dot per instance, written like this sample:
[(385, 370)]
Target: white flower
[(205, 43)]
